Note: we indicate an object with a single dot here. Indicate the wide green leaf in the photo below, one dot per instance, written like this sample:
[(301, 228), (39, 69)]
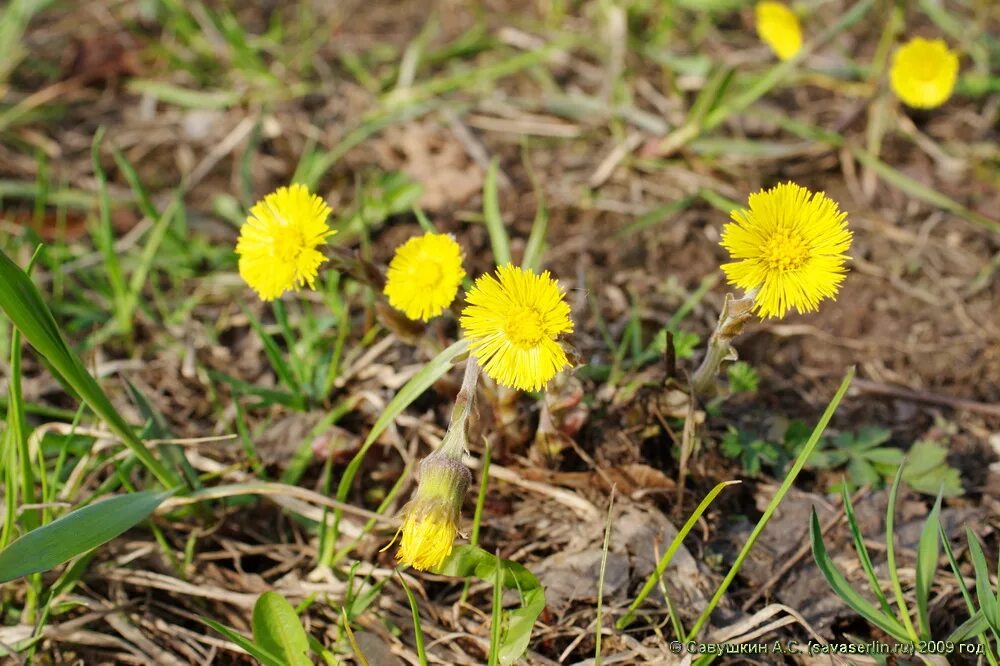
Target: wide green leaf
[(76, 533), (254, 650), (24, 305), (468, 560), (278, 631), (844, 590)]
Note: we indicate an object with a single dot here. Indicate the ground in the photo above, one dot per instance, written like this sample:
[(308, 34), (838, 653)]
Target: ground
[(625, 133)]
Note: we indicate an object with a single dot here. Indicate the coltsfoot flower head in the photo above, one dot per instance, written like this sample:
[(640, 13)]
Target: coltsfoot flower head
[(430, 519), (789, 248), (513, 324), (778, 27), (923, 73), (277, 244), (424, 276)]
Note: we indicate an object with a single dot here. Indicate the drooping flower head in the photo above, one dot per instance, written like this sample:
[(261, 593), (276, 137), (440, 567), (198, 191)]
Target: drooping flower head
[(923, 73), (789, 247), (778, 27), (430, 519), (424, 275), (277, 244), (513, 322)]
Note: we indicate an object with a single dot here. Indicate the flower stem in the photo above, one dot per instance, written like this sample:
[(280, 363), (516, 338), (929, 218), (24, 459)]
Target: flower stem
[(735, 313), (454, 441)]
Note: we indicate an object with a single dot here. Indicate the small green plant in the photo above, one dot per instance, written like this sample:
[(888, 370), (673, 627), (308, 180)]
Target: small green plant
[(899, 622), (927, 470), (867, 462), (755, 453), (743, 378)]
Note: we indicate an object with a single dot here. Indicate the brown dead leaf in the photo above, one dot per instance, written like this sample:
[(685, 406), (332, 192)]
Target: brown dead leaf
[(434, 158)]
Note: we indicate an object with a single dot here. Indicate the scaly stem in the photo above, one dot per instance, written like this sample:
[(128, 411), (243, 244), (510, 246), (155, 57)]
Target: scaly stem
[(454, 441), (735, 313)]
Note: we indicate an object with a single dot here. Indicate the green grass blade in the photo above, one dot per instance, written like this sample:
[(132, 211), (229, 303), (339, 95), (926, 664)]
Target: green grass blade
[(921, 191), (273, 353), (104, 237), (499, 239), (25, 307), (772, 506), (862, 551), (278, 630), (418, 632), (976, 620), (890, 557), (598, 624), (412, 390), (535, 246), (254, 650), (76, 533), (984, 594), (496, 622), (927, 557), (668, 556), (976, 624), (843, 588)]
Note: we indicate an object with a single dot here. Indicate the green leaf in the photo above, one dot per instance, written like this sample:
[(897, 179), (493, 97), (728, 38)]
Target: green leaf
[(861, 473), (868, 438), (278, 631), (843, 588), (886, 455), (927, 557), (254, 650), (24, 305), (467, 560), (76, 533), (928, 472)]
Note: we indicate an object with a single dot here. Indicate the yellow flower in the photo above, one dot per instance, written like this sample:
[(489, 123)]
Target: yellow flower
[(779, 28), (277, 244), (512, 325), (923, 73), (424, 275), (789, 248), (430, 519)]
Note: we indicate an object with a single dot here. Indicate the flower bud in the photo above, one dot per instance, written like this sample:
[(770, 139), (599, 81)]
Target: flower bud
[(430, 519)]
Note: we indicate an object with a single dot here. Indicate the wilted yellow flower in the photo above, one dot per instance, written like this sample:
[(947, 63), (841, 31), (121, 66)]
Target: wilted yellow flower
[(277, 244), (789, 249), (923, 73), (779, 28), (424, 275), (513, 324), (430, 519)]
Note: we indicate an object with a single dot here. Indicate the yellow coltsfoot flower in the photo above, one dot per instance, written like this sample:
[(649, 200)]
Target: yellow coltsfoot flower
[(513, 324), (424, 276), (923, 73), (789, 249), (778, 27), (277, 244), (430, 519)]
